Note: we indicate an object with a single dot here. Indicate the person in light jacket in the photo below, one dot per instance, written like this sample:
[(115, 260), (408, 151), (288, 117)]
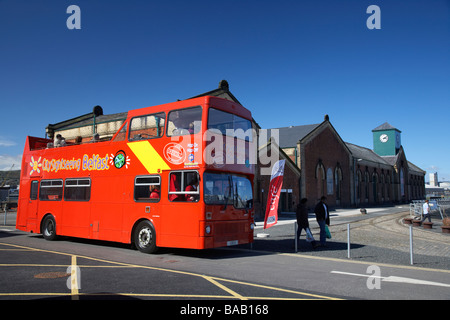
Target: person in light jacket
[(426, 211)]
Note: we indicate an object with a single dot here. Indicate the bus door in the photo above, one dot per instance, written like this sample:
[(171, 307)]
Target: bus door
[(181, 218), (28, 207)]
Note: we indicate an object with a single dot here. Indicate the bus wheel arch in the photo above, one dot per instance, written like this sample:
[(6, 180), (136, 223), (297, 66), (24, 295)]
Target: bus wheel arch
[(48, 227), (143, 236)]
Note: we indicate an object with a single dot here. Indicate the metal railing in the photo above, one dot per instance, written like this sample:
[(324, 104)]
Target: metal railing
[(439, 205)]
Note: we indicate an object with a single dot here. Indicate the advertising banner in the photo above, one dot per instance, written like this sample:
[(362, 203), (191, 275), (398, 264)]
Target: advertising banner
[(276, 181)]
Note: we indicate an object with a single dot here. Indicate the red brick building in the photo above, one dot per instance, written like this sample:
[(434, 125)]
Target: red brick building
[(347, 174)]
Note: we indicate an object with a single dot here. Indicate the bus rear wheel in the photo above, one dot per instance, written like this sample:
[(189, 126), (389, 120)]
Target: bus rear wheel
[(145, 237), (49, 228)]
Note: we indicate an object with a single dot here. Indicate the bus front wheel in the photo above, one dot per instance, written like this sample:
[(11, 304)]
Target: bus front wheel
[(145, 237), (49, 228)]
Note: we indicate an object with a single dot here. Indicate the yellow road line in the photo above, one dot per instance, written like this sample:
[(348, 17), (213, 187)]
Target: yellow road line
[(214, 280), (221, 286), (280, 289)]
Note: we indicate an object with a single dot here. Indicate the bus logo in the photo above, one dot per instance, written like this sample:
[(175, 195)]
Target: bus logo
[(35, 165), (120, 159), (174, 153)]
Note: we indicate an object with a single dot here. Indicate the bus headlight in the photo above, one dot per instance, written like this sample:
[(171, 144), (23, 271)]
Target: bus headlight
[(208, 229), (252, 226)]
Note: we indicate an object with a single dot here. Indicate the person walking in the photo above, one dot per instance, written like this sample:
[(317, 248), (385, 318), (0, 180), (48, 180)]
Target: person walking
[(322, 217), (426, 212), (302, 222)]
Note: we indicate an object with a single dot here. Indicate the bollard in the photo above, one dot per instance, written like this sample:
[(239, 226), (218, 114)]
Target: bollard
[(411, 245), (4, 222), (296, 235), (348, 240)]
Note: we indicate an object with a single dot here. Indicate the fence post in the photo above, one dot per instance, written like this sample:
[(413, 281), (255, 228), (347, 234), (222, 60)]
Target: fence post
[(411, 245), (348, 240), (296, 236)]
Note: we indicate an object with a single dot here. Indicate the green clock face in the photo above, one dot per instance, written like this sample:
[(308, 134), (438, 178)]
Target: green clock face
[(119, 160)]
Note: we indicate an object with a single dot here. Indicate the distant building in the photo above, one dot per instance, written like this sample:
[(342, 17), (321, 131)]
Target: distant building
[(436, 189), (434, 180)]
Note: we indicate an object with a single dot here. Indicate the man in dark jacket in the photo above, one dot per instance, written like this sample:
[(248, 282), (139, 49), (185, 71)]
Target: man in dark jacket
[(302, 221), (322, 217)]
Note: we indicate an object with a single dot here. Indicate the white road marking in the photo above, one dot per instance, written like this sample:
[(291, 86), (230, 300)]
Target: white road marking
[(396, 279)]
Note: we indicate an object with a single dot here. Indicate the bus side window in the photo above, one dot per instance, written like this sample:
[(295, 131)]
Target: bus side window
[(147, 188), (147, 127), (184, 121), (77, 189), (34, 190), (51, 190), (183, 186)]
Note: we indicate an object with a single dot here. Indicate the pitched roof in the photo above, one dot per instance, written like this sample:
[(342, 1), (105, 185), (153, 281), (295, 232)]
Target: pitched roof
[(385, 126), (223, 91), (392, 160), (289, 136), (413, 167), (365, 154), (271, 144)]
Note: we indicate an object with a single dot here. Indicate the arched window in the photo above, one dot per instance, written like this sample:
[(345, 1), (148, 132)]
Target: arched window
[(388, 186), (329, 181), (338, 182), (358, 186), (402, 182), (366, 185), (375, 186), (320, 179)]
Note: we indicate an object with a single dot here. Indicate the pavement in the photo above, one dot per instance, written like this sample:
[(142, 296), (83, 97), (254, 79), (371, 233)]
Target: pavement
[(380, 236)]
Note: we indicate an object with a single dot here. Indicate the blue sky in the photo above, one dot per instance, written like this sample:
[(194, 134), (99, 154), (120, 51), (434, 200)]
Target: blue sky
[(289, 62)]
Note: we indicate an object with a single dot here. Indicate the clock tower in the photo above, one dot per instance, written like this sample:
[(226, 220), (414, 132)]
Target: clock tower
[(386, 140)]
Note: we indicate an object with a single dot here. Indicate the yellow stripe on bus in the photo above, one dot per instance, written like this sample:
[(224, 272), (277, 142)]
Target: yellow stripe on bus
[(148, 156)]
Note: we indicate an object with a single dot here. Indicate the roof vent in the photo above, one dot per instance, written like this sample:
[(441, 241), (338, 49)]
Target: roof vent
[(98, 111), (224, 85)]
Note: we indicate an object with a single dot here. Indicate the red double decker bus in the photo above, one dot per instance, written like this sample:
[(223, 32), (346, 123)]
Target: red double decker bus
[(174, 175)]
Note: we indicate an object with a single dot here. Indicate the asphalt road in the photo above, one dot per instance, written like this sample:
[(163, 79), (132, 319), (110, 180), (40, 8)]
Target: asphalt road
[(76, 269)]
